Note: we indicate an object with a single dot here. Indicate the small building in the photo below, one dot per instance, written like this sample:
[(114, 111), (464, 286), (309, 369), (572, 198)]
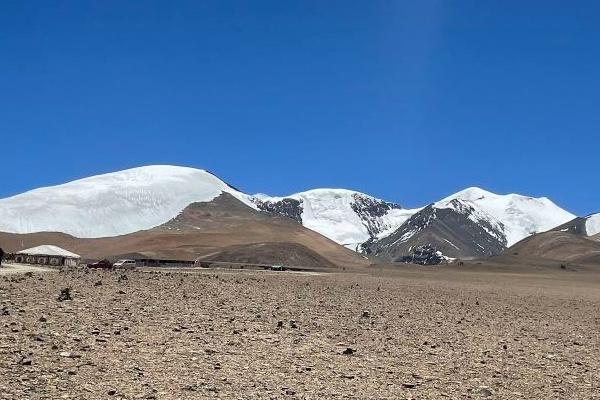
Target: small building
[(47, 255), (163, 263)]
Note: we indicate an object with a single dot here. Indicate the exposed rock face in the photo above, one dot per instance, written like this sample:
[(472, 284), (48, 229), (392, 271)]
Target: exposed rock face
[(576, 226), (371, 210), (347, 217), (454, 231), (424, 255), (586, 226), (290, 208)]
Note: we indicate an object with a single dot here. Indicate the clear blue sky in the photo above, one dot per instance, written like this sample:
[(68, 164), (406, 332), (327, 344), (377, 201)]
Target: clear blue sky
[(407, 101)]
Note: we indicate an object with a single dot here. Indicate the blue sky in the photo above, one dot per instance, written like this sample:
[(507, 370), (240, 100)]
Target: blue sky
[(407, 101)]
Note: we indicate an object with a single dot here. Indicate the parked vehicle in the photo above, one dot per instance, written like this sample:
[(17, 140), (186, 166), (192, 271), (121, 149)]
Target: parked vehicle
[(278, 268), (125, 264), (102, 264)]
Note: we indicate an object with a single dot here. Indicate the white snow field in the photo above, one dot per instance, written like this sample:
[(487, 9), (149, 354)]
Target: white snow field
[(592, 224), (330, 212), (520, 215), (112, 204)]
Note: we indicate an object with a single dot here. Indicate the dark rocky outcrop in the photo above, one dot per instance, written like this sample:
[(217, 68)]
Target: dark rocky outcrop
[(290, 208), (452, 231), (370, 210)]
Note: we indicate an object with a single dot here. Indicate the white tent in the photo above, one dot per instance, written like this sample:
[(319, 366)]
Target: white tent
[(47, 255), (49, 250)]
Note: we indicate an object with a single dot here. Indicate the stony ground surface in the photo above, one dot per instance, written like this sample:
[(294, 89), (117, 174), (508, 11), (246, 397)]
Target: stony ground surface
[(247, 335), (9, 269)]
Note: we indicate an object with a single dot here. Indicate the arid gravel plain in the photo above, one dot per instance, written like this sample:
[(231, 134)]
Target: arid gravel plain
[(408, 333)]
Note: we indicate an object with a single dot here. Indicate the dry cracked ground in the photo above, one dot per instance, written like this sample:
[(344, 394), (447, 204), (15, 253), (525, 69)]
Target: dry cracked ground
[(406, 334)]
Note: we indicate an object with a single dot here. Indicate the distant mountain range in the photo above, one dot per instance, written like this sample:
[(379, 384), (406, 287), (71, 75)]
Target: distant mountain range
[(348, 217), (471, 223)]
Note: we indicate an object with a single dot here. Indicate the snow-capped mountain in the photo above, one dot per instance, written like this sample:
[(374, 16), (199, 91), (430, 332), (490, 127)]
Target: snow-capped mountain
[(471, 223), (112, 204), (347, 217), (142, 198), (516, 216), (456, 231)]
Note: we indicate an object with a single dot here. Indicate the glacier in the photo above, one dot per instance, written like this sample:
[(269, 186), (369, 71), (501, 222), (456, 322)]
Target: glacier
[(347, 217), (112, 204)]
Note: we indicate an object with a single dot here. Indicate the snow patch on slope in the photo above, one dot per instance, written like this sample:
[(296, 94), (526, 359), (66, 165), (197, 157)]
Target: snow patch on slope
[(344, 216), (112, 204), (592, 224), (329, 212), (394, 219)]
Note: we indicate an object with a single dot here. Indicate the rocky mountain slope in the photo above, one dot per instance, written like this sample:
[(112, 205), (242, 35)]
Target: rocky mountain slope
[(447, 230), (517, 216), (471, 223)]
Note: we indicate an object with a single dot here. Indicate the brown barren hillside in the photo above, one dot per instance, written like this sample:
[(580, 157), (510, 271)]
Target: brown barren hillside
[(200, 230), (561, 246), (289, 254)]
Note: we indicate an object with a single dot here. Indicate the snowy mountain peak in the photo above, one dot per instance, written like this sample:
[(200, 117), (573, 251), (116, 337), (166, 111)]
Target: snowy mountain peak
[(478, 194), (320, 194), (515, 215), (112, 204), (470, 194)]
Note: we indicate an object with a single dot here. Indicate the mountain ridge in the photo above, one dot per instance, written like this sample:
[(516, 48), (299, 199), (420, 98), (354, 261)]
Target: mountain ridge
[(143, 198), (346, 216)]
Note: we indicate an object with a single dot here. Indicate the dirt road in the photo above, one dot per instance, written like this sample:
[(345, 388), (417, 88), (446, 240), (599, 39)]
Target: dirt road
[(9, 269)]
